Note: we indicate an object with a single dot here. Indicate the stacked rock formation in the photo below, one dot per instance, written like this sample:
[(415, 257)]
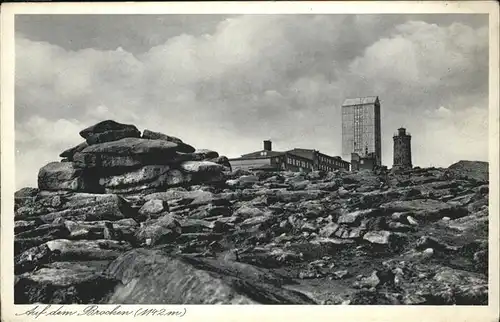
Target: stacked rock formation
[(115, 158), (234, 237)]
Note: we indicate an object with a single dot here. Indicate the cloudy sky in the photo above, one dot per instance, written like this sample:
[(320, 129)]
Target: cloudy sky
[(228, 82)]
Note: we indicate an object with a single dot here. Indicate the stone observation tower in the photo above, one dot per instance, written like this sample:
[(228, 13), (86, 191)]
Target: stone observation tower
[(402, 150)]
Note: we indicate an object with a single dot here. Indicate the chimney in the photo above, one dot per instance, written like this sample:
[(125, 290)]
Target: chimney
[(401, 131), (267, 145)]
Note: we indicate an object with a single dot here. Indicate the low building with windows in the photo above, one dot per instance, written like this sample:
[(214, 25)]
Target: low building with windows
[(366, 162), (293, 160)]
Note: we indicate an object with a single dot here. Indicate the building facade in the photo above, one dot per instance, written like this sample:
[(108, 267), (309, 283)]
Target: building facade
[(265, 159), (361, 130), (303, 160), (363, 162), (402, 150)]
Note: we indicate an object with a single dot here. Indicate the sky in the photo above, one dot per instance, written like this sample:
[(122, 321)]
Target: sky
[(227, 83)]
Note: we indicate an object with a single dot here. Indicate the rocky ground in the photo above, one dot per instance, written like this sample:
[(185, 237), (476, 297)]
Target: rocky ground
[(131, 218)]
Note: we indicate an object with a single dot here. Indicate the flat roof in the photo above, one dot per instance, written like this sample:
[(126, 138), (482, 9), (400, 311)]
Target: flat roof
[(302, 153), (360, 100)]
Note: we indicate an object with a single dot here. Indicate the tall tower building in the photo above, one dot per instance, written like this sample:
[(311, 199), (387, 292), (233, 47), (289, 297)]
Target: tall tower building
[(402, 150), (361, 128)]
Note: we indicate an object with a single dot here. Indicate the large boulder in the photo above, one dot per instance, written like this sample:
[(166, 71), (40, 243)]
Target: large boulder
[(124, 229), (355, 217), (194, 197), (107, 131), (222, 160), (198, 155), (475, 170), (153, 207), (23, 225), (176, 177), (141, 176), (63, 283), (432, 284), (203, 171), (426, 209), (151, 135), (329, 230), (83, 250), (171, 178), (269, 257), (64, 176), (349, 232), (68, 250), (69, 153), (207, 154), (90, 207), (476, 223), (154, 277), (24, 197), (128, 152), (182, 147), (381, 237), (452, 286), (109, 136), (52, 231), (201, 166), (110, 161), (163, 230), (31, 258)]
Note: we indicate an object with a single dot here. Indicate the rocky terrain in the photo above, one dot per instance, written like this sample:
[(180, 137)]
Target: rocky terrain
[(144, 218)]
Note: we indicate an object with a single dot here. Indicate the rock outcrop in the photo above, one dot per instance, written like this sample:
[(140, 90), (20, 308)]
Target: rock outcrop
[(152, 220), (116, 159)]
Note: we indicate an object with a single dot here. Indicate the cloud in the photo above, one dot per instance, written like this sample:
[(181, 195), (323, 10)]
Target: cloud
[(38, 142), (247, 78), (426, 63), (448, 137)]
